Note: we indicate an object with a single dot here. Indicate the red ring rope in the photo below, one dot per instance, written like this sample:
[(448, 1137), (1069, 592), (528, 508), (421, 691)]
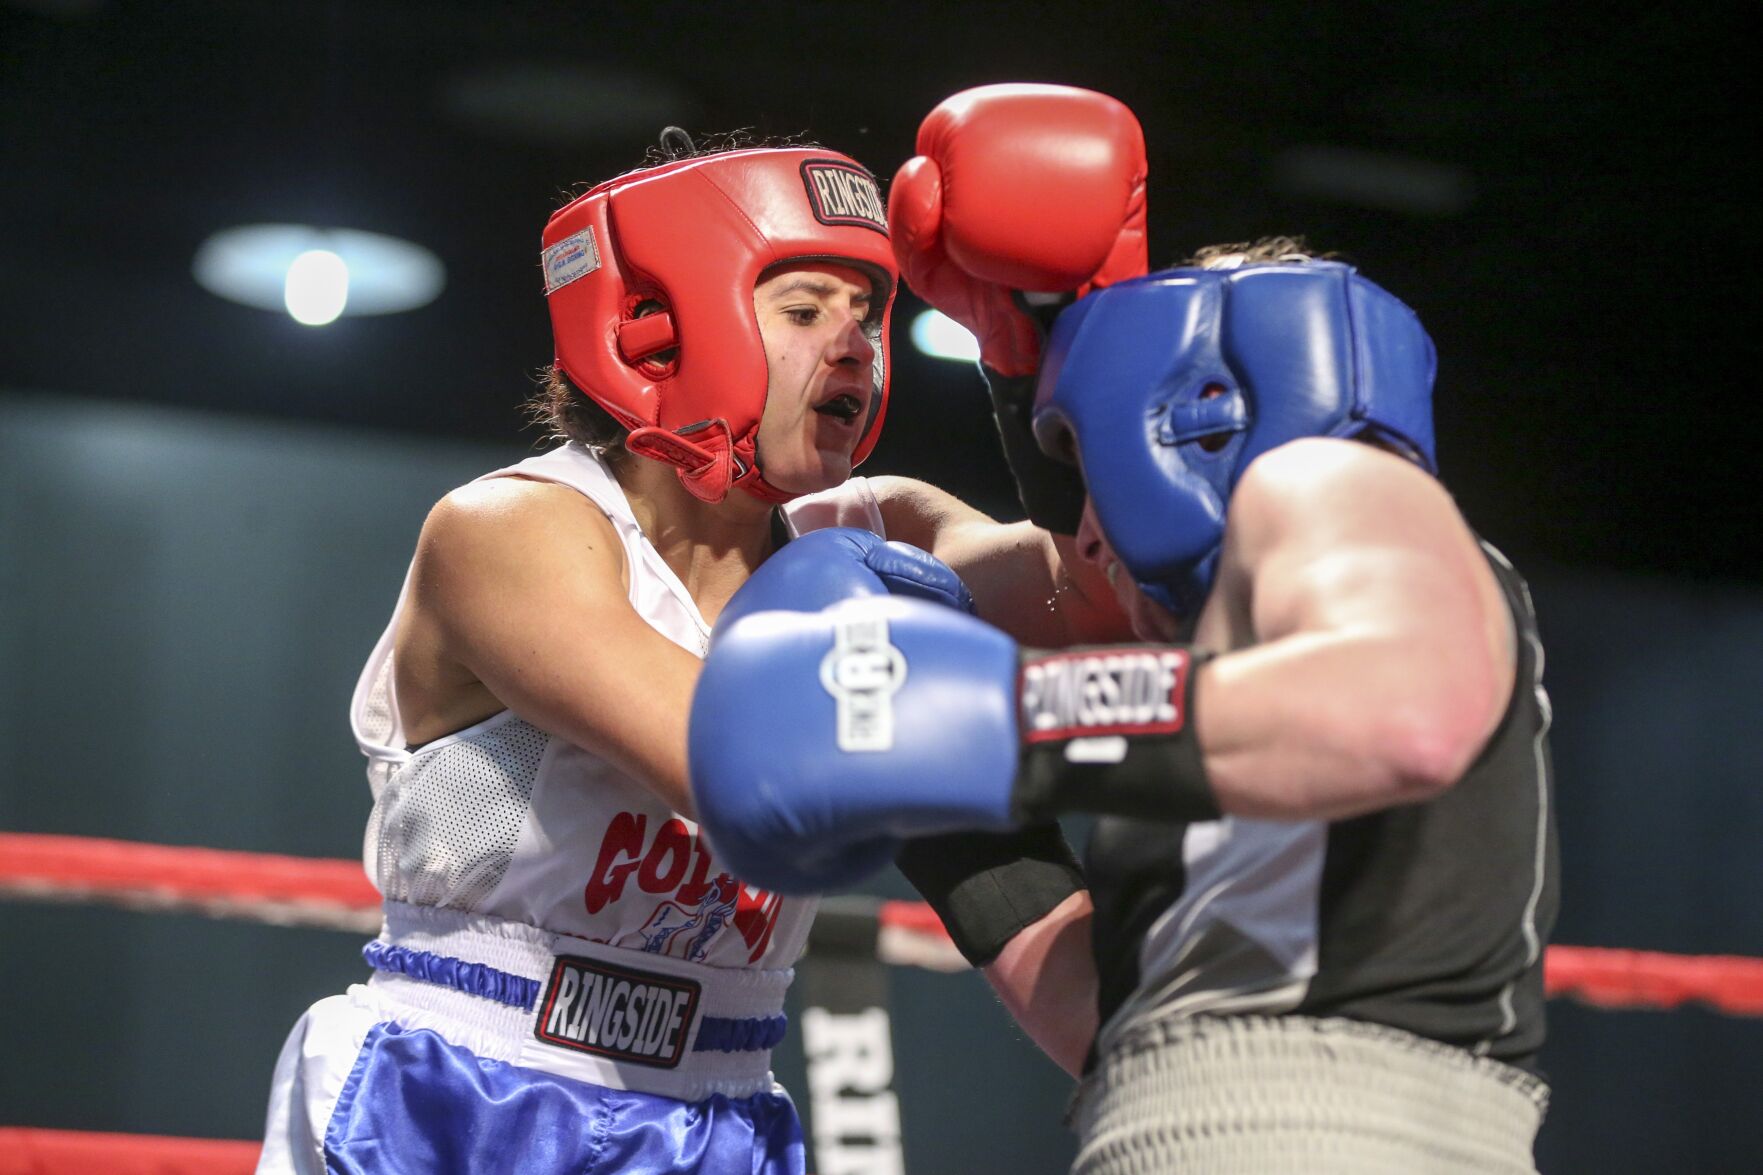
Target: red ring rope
[(284, 890), (26, 1150)]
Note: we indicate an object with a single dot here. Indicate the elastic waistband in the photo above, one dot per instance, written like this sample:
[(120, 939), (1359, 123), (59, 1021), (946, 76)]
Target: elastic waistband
[(1279, 1093), (618, 1018)]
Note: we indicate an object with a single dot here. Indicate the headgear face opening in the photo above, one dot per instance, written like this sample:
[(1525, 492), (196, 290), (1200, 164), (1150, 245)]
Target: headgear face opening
[(650, 281), (1169, 385)]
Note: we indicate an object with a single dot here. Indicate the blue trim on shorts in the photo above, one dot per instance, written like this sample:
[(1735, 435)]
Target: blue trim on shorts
[(719, 1034), (445, 971), (723, 1035)]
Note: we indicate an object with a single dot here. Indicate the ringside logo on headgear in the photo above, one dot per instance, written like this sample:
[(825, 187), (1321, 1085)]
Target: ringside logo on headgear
[(653, 315), (841, 193), (617, 1012), (1082, 694)]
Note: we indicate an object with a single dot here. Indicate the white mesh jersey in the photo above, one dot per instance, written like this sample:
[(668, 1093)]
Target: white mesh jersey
[(502, 819)]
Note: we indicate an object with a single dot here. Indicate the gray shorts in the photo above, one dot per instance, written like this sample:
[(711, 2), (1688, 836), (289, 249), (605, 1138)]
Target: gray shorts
[(1218, 1095)]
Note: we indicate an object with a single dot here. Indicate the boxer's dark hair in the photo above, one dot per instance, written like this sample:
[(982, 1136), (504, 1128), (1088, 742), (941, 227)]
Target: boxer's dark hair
[(672, 148), (565, 413), (675, 144)]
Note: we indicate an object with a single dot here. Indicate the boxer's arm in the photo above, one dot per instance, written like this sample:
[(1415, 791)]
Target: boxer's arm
[(1384, 653), (1046, 978), (1378, 658), (1024, 580), (519, 585)]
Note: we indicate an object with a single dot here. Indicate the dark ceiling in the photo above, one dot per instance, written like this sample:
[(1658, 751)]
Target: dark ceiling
[(1565, 198)]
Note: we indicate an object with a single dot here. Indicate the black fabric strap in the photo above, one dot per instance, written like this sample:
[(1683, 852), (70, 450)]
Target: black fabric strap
[(1109, 729), (1051, 492), (988, 887), (780, 529)]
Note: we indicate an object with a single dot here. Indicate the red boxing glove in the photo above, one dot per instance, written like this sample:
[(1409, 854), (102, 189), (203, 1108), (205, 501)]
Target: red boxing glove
[(1019, 187)]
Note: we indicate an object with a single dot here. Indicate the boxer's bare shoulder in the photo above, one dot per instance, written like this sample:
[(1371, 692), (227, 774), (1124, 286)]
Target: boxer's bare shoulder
[(518, 600), (497, 525)]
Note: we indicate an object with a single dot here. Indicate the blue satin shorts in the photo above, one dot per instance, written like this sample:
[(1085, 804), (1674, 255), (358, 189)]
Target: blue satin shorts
[(409, 1102)]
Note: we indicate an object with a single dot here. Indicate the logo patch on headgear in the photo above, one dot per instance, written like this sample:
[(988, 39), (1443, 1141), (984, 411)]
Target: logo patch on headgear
[(840, 193), (574, 256)]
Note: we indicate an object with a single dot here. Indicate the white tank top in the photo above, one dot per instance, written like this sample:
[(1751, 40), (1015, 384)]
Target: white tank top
[(502, 819)]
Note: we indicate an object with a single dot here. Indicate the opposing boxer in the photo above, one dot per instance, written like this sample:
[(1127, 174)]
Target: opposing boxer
[(1323, 870), (570, 978)]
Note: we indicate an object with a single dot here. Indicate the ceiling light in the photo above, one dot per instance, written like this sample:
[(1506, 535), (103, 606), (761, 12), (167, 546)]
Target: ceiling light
[(316, 274), (316, 288), (938, 335)]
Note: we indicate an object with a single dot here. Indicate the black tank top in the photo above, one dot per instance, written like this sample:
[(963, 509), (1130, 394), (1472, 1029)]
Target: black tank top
[(1429, 917)]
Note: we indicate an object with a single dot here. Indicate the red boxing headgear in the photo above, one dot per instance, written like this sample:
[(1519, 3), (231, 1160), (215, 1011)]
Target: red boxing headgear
[(668, 257)]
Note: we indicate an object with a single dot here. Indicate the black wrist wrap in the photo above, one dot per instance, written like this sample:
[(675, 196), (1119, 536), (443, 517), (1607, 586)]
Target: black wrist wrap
[(1051, 492), (987, 887), (1109, 729)]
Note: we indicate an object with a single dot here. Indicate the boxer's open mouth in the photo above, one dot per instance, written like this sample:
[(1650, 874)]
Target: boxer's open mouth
[(843, 406)]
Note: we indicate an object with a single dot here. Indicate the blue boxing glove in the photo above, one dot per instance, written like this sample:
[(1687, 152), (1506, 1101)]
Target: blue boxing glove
[(824, 567), (841, 563), (820, 740)]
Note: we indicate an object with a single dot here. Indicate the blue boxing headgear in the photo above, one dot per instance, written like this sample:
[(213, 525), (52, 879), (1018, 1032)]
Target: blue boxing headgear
[(1164, 388)]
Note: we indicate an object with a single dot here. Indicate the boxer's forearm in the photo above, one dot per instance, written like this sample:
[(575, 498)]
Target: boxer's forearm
[(1046, 978), (1025, 581), (1028, 583)]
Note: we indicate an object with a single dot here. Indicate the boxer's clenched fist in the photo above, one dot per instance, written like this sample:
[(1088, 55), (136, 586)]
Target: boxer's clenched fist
[(1019, 187)]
